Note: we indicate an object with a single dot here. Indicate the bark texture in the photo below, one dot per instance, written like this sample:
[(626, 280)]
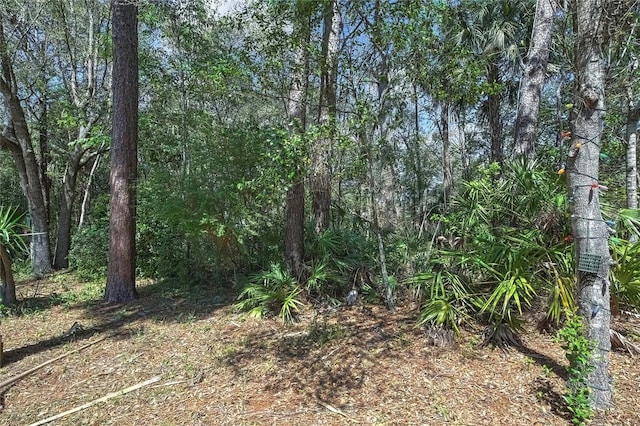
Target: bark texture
[(321, 151), (533, 79), (294, 208), (8, 282), (633, 116), (16, 138), (122, 256), (494, 101), (447, 177), (590, 231)]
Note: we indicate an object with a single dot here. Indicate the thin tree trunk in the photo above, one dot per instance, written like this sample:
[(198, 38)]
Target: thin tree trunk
[(493, 114), (43, 138), (447, 179), (321, 151), (87, 190), (590, 232), (533, 79), (417, 195), (633, 116), (121, 276)]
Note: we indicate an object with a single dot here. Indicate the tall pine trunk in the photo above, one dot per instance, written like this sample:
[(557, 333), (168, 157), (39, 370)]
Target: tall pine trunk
[(294, 208), (121, 276), (533, 79), (321, 151), (590, 232)]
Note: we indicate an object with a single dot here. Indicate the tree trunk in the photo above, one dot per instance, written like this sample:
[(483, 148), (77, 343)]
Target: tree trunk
[(43, 138), (633, 116), (16, 138), (8, 282), (493, 114), (321, 151), (121, 277), (590, 232), (67, 198), (294, 208), (533, 79), (447, 179)]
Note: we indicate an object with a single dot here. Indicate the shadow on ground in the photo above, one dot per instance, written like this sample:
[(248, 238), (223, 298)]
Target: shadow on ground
[(160, 301), (328, 357)]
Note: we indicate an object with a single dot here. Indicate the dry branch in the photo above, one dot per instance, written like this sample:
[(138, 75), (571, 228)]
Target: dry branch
[(44, 364), (618, 341), (97, 401)]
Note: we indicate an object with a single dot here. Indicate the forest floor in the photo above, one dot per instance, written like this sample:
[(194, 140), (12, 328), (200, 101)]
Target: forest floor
[(359, 365)]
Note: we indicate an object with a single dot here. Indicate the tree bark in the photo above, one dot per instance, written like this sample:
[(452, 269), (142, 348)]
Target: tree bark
[(321, 151), (533, 79), (8, 282), (493, 113), (16, 137), (121, 275), (633, 116), (590, 232), (447, 179), (294, 208), (65, 210)]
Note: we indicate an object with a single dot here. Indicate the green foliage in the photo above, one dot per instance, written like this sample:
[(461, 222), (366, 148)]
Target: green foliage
[(448, 298), (511, 224), (339, 260), (579, 352), (11, 228), (90, 244), (625, 274), (511, 292), (273, 291)]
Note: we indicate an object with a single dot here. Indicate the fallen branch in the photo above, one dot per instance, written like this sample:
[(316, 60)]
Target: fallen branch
[(44, 364), (97, 401), (618, 341)]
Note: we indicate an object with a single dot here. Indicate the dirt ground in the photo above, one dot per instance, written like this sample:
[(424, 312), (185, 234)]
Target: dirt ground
[(359, 365)]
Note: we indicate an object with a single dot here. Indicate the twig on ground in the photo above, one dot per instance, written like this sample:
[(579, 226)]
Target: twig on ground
[(336, 410), (97, 401), (44, 364)]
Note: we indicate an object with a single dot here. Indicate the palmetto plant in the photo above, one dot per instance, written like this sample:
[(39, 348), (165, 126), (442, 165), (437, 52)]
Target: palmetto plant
[(448, 299), (513, 226), (11, 244), (274, 291), (625, 274)]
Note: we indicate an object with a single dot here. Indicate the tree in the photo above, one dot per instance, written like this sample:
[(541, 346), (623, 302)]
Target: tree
[(83, 66), (297, 116), (533, 79), (590, 232), (321, 179), (121, 273), (16, 138)]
